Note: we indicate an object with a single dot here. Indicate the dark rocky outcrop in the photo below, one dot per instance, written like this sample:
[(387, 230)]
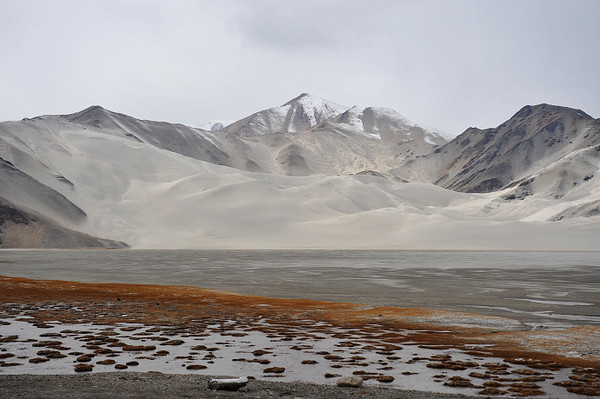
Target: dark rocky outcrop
[(22, 229), (492, 159)]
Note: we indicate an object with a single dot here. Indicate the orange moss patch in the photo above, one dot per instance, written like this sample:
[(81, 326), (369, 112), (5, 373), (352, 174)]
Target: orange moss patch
[(181, 305)]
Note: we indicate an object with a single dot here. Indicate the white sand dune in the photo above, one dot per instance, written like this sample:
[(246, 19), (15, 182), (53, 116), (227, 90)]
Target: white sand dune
[(153, 198), (158, 196)]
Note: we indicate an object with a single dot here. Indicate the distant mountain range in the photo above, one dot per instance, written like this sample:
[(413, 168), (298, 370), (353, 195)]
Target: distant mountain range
[(307, 174)]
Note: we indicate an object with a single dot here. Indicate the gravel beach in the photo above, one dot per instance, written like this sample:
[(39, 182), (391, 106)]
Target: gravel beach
[(155, 385)]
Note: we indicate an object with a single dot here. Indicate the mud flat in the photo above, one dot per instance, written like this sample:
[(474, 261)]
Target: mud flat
[(130, 339)]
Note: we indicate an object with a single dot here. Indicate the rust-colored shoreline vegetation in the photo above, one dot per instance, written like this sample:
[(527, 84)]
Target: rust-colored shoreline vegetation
[(104, 303)]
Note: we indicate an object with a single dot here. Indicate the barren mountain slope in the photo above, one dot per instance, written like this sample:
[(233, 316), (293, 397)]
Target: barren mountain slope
[(309, 135), (488, 160), (315, 151), (194, 143)]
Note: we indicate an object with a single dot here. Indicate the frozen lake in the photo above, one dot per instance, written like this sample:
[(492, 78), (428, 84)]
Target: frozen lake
[(542, 289)]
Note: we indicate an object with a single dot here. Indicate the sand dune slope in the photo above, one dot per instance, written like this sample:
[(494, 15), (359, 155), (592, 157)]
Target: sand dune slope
[(158, 185)]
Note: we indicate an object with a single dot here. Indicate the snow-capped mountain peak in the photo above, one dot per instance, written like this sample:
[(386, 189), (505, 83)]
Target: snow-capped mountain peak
[(307, 110), (296, 115)]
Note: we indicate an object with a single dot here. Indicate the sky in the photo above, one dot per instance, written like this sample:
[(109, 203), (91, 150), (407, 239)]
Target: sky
[(448, 64)]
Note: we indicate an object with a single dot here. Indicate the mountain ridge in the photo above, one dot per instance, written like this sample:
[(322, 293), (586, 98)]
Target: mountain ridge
[(485, 160)]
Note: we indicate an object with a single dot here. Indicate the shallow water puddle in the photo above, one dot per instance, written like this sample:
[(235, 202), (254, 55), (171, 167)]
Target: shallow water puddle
[(307, 351)]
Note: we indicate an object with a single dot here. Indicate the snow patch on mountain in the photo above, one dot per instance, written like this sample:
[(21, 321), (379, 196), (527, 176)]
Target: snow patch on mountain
[(295, 116), (310, 109), (384, 124)]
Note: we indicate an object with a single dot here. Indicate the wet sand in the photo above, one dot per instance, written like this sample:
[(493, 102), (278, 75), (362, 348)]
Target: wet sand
[(83, 328)]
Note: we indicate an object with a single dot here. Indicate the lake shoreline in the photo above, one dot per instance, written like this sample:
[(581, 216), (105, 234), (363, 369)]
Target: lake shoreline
[(191, 311), (543, 290)]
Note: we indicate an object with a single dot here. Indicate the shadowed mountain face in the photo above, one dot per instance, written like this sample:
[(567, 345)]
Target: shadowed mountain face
[(20, 188), (29, 211), (309, 173), (21, 229)]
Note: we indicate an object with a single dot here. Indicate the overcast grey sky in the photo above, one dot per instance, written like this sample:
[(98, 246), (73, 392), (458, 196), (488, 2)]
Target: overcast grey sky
[(447, 64)]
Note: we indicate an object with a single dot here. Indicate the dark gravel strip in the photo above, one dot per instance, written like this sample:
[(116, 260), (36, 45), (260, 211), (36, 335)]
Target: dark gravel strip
[(151, 385)]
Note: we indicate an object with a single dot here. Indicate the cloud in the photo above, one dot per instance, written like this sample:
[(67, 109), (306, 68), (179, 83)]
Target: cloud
[(306, 26), (440, 63)]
